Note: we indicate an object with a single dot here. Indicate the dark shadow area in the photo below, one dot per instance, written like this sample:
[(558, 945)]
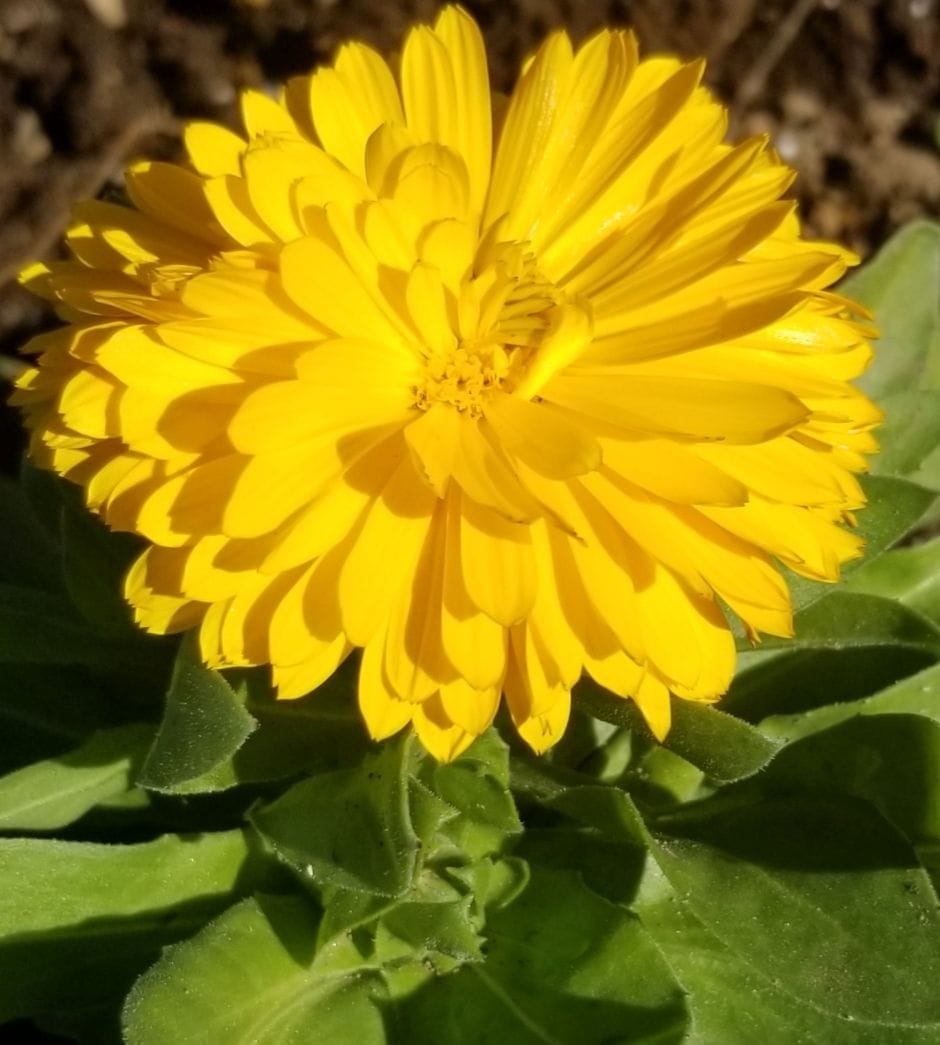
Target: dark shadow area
[(804, 679)]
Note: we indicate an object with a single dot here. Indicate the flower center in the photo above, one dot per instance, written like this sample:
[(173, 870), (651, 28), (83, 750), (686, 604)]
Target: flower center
[(504, 311), (463, 378)]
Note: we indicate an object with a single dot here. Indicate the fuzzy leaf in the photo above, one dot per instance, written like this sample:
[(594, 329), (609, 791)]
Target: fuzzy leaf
[(53, 793), (846, 620), (894, 508), (723, 747), (901, 285), (203, 725), (563, 965), (78, 921), (731, 1001), (918, 694), (350, 829), (248, 977), (778, 881)]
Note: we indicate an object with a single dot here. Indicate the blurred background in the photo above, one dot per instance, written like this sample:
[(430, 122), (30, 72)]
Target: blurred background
[(848, 89)]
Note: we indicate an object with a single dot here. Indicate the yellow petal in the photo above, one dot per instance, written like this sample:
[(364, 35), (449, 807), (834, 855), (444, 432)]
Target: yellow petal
[(470, 123), (543, 438), (262, 115), (320, 281), (296, 680), (698, 409), (384, 553), (383, 712), (653, 700), (672, 471), (350, 100), (589, 96), (332, 514), (486, 476), (110, 236), (528, 128), (473, 642), (442, 738), (473, 710), (685, 637), (616, 672), (549, 619), (427, 306), (569, 337), (415, 662), (609, 183), (174, 195), (540, 732), (498, 565), (318, 408), (233, 210), (432, 439), (213, 149)]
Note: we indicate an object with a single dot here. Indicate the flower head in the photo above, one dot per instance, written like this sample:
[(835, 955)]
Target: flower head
[(498, 393)]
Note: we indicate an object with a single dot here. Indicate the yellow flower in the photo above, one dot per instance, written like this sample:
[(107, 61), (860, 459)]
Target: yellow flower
[(499, 392)]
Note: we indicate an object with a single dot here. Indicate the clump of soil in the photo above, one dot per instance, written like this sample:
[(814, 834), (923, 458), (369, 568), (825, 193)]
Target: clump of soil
[(848, 89)]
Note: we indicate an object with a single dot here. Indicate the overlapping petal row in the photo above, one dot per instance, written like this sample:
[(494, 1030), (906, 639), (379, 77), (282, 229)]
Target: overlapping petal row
[(499, 392)]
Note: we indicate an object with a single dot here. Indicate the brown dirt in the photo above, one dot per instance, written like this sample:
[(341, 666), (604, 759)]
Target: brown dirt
[(849, 90)]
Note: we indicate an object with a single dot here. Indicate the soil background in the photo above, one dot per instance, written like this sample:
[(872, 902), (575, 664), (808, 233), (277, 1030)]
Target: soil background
[(848, 89)]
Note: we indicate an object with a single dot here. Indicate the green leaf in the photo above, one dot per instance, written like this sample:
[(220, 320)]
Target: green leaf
[(902, 287), (247, 977), (819, 895), (908, 575), (422, 931), (909, 435), (79, 921), (892, 761), (203, 725), (785, 682), (917, 695), (846, 620), (563, 965), (848, 646), (478, 813), (609, 866), (732, 1002), (350, 829), (405, 854), (435, 927), (56, 792), (894, 508), (321, 732), (608, 850), (723, 747)]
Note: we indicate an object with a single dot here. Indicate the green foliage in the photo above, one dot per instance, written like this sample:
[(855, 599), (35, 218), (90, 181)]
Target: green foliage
[(56, 792), (203, 725), (247, 977), (78, 921), (188, 860)]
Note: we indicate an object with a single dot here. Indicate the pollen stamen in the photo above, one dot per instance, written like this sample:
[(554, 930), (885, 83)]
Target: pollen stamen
[(511, 304)]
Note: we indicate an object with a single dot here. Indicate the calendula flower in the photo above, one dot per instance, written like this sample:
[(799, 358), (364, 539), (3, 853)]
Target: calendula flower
[(497, 391)]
